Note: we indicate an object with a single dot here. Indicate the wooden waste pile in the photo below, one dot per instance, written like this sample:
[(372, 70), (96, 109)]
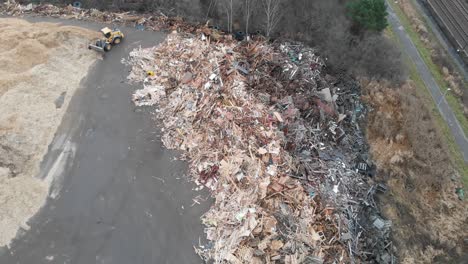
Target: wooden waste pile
[(150, 21), (274, 140)]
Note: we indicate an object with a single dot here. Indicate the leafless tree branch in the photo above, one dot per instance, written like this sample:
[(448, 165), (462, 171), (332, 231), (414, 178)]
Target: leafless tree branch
[(272, 10)]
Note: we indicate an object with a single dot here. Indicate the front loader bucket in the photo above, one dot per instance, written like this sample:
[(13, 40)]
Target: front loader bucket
[(96, 48)]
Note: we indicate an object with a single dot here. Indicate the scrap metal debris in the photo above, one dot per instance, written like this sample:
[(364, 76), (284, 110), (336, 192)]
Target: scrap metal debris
[(277, 143)]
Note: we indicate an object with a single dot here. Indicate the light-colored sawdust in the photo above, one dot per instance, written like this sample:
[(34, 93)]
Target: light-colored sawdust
[(38, 63)]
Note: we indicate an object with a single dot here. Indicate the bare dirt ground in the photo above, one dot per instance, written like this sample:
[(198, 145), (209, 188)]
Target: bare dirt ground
[(41, 66), (429, 221)]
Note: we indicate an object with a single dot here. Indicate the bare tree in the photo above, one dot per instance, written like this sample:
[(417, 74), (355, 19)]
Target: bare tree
[(272, 10), (212, 5), (228, 6), (248, 12)]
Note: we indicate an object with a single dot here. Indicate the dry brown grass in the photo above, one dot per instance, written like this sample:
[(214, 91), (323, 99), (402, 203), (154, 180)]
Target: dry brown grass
[(429, 220)]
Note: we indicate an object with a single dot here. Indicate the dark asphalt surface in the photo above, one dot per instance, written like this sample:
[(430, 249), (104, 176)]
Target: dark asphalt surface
[(439, 97), (115, 196)]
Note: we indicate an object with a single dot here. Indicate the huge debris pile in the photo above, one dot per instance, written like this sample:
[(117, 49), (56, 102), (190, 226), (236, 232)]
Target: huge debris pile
[(276, 141)]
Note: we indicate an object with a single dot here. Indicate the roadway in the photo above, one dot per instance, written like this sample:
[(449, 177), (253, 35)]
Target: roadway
[(436, 92)]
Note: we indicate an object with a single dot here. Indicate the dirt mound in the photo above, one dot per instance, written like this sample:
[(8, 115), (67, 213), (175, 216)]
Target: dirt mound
[(429, 220), (25, 46), (39, 63)]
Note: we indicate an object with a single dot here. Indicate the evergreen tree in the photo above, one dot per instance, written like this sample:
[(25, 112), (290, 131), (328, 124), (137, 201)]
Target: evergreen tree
[(369, 14)]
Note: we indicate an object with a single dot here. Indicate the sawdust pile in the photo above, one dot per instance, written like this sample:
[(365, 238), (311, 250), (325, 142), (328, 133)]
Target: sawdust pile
[(41, 65), (428, 218)]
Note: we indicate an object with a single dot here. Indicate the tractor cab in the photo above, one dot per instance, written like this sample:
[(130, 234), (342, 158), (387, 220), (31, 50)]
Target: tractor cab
[(107, 32), (112, 35)]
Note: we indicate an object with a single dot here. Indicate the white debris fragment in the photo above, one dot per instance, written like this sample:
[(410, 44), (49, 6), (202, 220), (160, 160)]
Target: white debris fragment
[(149, 95)]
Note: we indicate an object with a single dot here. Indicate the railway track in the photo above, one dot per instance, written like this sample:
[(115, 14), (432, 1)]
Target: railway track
[(453, 16)]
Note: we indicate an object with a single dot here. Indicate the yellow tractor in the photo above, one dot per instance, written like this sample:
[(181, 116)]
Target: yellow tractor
[(111, 38)]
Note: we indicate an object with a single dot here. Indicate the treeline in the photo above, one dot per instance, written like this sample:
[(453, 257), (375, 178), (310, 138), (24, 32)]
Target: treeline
[(325, 24)]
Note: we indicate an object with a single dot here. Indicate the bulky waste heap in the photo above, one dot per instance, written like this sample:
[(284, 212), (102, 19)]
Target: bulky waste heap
[(148, 21), (275, 140)]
